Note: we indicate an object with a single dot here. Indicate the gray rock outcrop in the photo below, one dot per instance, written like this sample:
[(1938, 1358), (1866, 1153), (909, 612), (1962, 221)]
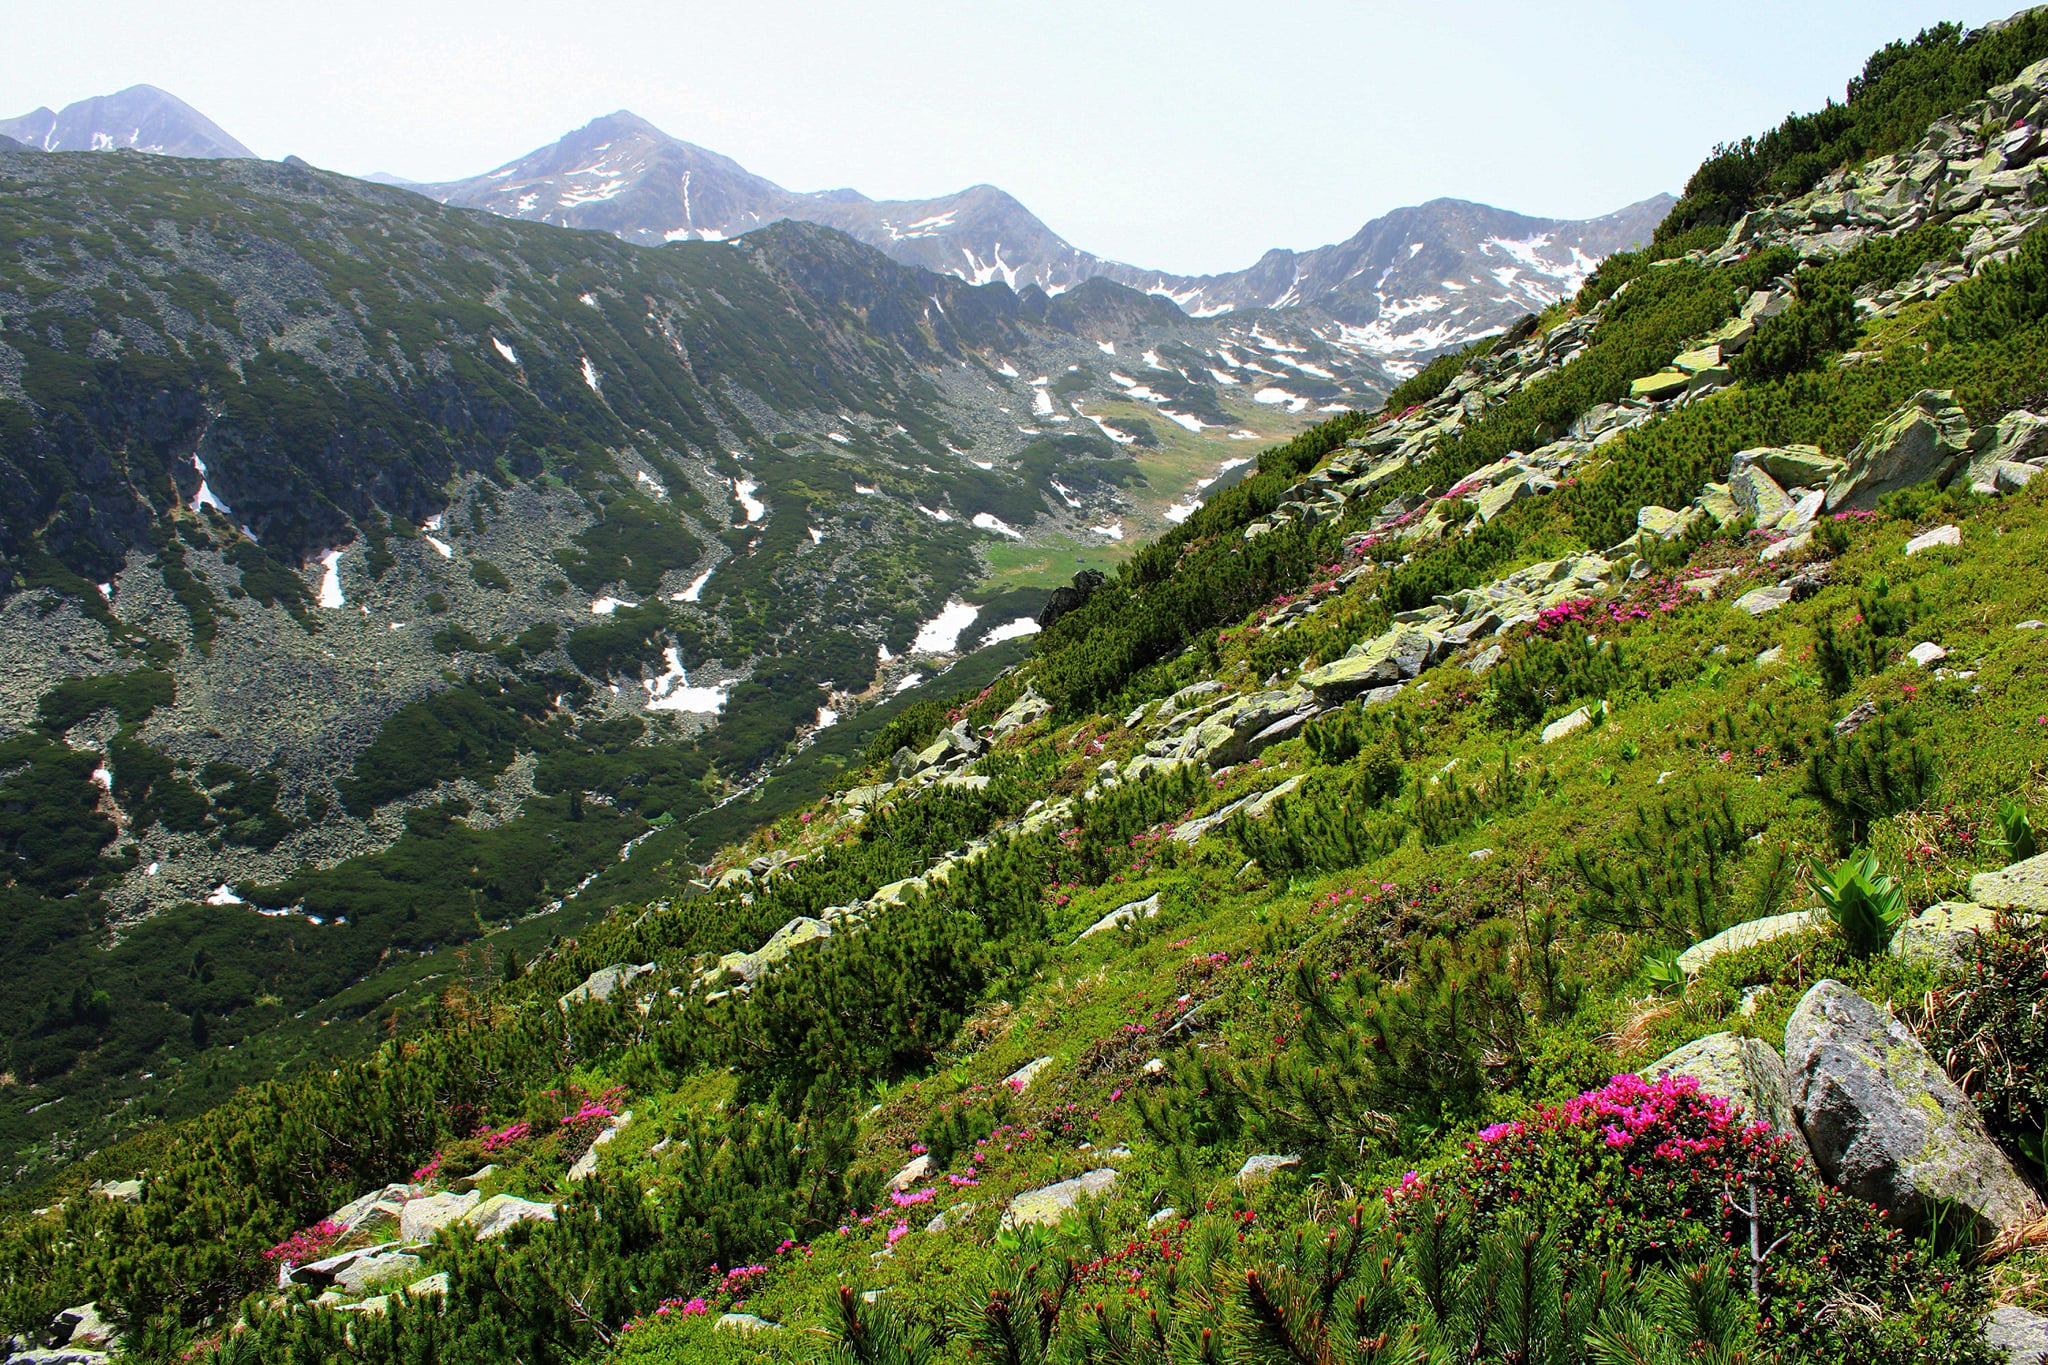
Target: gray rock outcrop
[(1926, 440), (1049, 1203), (1887, 1125)]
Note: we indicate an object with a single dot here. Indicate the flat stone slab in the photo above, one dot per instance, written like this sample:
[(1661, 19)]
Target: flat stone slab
[(1567, 725), (1136, 910), (1741, 936), (1940, 535), (1942, 932), (1046, 1205), (2021, 886)]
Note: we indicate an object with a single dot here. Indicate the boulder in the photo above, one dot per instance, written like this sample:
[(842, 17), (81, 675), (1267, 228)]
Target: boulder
[(916, 1169), (2023, 1336), (1692, 362), (1942, 932), (367, 1272), (501, 1211), (1741, 936), (1760, 600), (127, 1191), (1887, 1125), (1020, 1080), (1026, 709), (1746, 1072), (1794, 466), (420, 1219), (1123, 914), (1049, 1203), (329, 1269), (1759, 496), (1925, 653), (952, 1217), (388, 1202), (747, 1322), (1265, 1166), (2020, 886), (2018, 438), (1399, 654), (1940, 535), (1664, 523), (605, 982), (1567, 725), (1926, 440), (82, 1328), (1065, 599), (1664, 384), (586, 1165), (432, 1284), (784, 941)]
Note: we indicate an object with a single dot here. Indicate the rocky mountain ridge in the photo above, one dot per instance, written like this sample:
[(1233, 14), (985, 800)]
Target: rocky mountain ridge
[(1407, 285), (141, 118)]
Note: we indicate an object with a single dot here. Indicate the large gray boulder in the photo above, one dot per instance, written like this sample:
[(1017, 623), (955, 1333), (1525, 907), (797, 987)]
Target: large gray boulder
[(1943, 932), (1926, 440), (1746, 1072), (1049, 1203), (500, 1212), (1394, 657), (2018, 438), (420, 1219), (2020, 886), (605, 982), (2023, 1336), (1887, 1125)]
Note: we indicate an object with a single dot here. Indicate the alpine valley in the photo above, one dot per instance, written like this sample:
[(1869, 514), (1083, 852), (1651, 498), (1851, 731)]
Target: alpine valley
[(613, 763)]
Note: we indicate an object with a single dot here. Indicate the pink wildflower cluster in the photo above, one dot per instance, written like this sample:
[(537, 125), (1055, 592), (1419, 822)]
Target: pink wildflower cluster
[(499, 1139), (307, 1244), (903, 1201), (1667, 1118)]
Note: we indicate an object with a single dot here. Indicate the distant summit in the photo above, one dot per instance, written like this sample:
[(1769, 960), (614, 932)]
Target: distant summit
[(141, 118)]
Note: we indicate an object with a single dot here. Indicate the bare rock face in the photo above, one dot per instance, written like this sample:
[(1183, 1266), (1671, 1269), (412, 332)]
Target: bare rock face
[(1887, 1125)]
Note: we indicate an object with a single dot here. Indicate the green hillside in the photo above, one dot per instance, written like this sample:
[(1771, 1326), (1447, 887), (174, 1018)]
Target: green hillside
[(1542, 872)]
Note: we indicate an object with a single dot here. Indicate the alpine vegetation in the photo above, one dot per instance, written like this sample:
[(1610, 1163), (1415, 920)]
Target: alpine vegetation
[(1541, 867)]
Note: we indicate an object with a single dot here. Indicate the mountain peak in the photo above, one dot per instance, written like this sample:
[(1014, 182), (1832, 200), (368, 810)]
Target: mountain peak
[(140, 118)]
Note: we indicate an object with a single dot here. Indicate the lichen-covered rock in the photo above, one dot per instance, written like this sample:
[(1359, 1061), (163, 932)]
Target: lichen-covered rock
[(1942, 932), (1394, 657), (1924, 441), (1746, 1072), (2023, 1336), (420, 1219), (1048, 1204), (603, 983), (1738, 937), (495, 1215), (1887, 1125), (2020, 886)]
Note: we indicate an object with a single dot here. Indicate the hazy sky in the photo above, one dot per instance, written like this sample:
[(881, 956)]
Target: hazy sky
[(1186, 135)]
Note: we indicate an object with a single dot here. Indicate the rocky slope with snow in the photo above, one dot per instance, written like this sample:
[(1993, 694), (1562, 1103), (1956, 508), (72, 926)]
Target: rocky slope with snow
[(1409, 284), (141, 118)]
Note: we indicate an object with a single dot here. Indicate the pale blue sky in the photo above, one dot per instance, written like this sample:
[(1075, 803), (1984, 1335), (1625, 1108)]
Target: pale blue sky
[(1185, 135)]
